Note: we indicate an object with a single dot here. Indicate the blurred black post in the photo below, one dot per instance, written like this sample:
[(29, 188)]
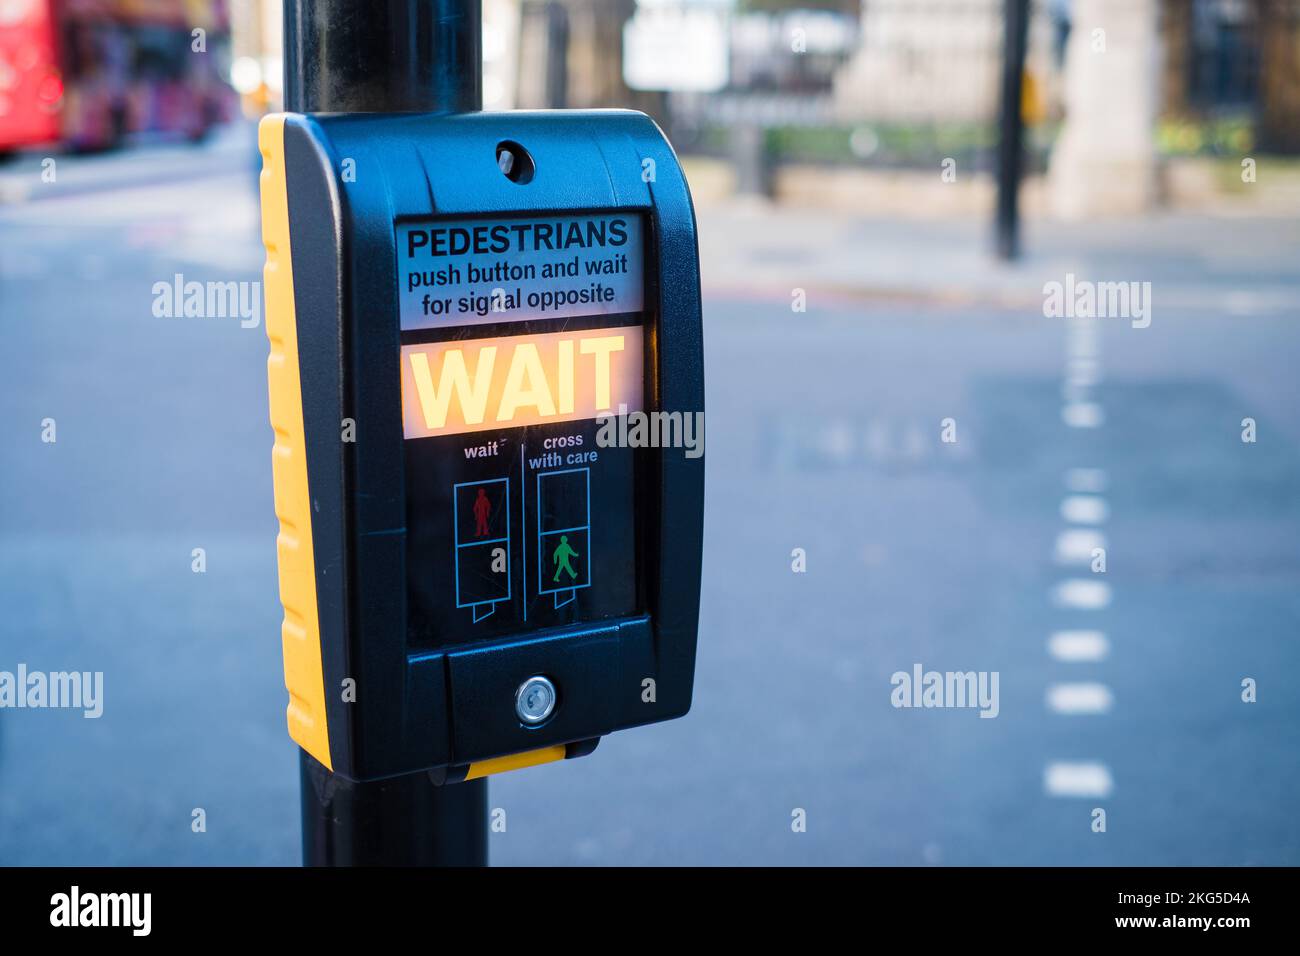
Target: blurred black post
[(383, 56), (557, 56), (386, 56), (1011, 128), (751, 157)]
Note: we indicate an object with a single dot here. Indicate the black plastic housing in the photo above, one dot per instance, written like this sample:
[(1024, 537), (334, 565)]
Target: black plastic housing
[(418, 707)]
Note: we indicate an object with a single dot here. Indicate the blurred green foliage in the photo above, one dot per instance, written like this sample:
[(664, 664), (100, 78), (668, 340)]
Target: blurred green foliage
[(1186, 137), (884, 144)]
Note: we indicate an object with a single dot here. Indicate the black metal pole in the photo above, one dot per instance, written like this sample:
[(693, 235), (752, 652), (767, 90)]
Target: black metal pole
[(386, 56), (1011, 128), (383, 56), (401, 821)]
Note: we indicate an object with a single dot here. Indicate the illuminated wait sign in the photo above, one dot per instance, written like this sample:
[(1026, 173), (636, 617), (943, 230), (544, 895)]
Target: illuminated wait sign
[(477, 384)]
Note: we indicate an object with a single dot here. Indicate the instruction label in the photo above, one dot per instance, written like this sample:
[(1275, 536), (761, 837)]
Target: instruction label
[(485, 271)]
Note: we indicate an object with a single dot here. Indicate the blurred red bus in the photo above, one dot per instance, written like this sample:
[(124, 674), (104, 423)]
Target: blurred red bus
[(86, 73)]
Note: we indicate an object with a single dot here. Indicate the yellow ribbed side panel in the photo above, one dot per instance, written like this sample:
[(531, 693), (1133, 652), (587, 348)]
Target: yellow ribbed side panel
[(529, 758), (300, 632)]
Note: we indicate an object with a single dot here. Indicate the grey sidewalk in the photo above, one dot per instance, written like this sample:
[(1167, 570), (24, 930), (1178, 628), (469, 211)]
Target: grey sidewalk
[(1232, 265)]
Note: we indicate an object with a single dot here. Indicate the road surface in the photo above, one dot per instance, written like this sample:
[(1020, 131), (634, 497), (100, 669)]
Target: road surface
[(826, 432)]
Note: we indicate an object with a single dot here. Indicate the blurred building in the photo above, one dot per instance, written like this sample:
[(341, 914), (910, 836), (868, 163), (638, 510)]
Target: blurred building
[(795, 51), (1235, 59), (570, 55), (1104, 160), (257, 71), (1111, 86), (940, 61)]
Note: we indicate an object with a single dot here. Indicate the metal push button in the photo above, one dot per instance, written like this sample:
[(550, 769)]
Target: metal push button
[(535, 700)]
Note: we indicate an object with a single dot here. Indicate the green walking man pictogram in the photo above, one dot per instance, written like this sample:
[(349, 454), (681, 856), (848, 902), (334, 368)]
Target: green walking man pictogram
[(560, 558)]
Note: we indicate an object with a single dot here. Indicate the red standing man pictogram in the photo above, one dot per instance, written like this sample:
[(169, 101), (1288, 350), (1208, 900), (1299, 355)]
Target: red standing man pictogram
[(482, 508)]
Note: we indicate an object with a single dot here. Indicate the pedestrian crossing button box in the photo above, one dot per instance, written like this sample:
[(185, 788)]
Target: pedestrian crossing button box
[(471, 360)]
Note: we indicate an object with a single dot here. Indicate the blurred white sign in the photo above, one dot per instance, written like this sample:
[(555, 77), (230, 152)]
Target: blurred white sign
[(682, 49)]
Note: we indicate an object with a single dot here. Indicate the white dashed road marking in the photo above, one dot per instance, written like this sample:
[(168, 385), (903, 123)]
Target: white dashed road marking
[(1075, 545), (1084, 509), (1081, 779), (1078, 647), (1083, 415), (1079, 698), (1082, 594)]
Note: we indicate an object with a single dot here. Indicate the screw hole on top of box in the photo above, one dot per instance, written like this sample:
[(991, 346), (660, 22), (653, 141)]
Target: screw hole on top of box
[(514, 162)]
